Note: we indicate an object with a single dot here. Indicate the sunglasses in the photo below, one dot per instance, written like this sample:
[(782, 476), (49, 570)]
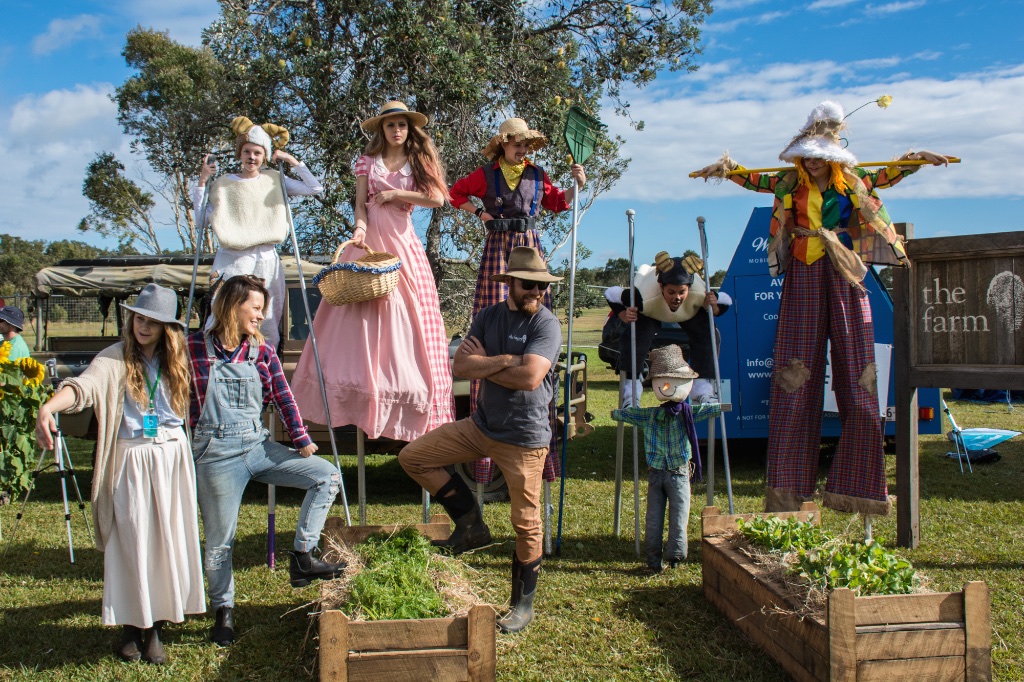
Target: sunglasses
[(530, 285)]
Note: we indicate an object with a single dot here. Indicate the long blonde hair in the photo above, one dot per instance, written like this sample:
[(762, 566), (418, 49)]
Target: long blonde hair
[(174, 370), (229, 295), (428, 169), (836, 179)]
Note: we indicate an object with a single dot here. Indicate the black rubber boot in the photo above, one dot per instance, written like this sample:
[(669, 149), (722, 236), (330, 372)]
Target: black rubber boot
[(470, 530), (152, 648), (524, 588), (223, 631), (130, 647), (305, 568)]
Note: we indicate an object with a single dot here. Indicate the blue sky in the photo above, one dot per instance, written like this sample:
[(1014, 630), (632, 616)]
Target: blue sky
[(955, 72)]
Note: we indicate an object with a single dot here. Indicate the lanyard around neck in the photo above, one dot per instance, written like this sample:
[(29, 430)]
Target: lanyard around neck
[(152, 387)]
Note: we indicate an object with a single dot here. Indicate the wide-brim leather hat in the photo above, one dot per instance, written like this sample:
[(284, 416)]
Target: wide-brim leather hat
[(514, 129), (13, 316), (157, 303), (667, 362), (526, 263), (394, 108)]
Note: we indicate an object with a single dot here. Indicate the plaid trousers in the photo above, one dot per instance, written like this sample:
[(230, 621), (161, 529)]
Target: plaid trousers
[(818, 305), (494, 260)]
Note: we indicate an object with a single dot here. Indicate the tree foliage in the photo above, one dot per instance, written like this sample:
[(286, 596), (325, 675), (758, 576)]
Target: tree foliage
[(118, 207), (21, 259)]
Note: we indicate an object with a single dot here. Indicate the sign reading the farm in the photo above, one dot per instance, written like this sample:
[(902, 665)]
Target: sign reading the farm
[(966, 310)]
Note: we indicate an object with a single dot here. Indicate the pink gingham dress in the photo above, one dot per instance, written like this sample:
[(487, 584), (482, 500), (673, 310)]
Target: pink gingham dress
[(385, 361)]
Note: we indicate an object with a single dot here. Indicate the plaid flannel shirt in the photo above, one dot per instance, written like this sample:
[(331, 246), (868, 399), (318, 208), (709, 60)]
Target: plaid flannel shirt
[(275, 386), (665, 438)]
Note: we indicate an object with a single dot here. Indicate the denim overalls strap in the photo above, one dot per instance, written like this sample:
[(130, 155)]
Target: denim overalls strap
[(234, 396)]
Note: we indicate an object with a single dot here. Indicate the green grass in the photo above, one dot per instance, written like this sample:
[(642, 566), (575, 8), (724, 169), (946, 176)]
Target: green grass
[(395, 582), (599, 617)]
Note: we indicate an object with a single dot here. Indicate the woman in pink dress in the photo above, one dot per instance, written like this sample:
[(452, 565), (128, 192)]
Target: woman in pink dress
[(385, 361)]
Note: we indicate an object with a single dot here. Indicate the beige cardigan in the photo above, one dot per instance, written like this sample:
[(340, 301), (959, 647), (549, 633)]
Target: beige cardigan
[(101, 386)]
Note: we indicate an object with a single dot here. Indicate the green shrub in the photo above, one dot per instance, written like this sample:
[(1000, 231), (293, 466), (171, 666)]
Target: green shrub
[(395, 582)]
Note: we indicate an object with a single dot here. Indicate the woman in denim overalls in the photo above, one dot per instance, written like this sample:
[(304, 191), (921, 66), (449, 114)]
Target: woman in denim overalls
[(236, 374)]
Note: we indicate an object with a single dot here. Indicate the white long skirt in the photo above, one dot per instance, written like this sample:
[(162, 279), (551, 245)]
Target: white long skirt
[(152, 568)]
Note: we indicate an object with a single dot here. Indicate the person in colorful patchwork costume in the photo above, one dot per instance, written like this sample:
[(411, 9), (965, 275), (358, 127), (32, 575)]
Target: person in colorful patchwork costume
[(512, 190), (827, 224), (673, 456), (248, 214)]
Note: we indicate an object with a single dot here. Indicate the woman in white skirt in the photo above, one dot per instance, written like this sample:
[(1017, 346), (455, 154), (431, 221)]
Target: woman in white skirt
[(144, 483)]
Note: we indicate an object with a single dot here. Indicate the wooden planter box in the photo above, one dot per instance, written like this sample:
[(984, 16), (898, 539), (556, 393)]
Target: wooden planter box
[(935, 636), (459, 649)]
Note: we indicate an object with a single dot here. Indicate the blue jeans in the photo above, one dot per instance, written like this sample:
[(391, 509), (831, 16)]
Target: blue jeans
[(671, 488), (225, 463)]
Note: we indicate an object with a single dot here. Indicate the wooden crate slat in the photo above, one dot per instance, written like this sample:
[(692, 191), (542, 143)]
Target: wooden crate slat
[(911, 644), (978, 626), (910, 608), (333, 646), (715, 523), (407, 634), (482, 633), (399, 669), (390, 654), (842, 636), (439, 528), (939, 669)]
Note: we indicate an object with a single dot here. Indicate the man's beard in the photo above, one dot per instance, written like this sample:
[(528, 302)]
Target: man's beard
[(524, 305)]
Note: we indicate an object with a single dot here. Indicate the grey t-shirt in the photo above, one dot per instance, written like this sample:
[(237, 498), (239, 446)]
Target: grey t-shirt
[(516, 417)]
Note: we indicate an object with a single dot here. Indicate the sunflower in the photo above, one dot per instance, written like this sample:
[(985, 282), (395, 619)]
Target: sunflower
[(33, 372), (5, 351)]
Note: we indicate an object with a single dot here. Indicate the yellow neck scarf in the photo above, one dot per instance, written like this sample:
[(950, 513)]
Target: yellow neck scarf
[(513, 173)]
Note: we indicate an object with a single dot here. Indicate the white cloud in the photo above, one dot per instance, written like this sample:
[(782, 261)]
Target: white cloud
[(51, 138), (829, 4), (61, 33), (893, 7), (689, 123), (184, 20)]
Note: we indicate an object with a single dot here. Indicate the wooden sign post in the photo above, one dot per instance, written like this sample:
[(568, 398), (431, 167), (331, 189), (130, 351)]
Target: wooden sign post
[(959, 323)]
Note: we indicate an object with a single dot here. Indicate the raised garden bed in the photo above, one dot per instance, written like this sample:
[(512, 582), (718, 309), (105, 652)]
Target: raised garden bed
[(932, 636), (454, 649)]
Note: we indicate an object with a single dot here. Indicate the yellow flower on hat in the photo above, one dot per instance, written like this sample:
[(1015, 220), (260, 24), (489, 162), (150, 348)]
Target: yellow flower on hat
[(33, 372), (884, 101)]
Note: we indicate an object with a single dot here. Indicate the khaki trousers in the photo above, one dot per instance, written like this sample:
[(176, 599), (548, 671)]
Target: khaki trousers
[(424, 460)]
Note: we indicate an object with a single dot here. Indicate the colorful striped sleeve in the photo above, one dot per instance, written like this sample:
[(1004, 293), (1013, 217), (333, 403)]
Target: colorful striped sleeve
[(758, 182)]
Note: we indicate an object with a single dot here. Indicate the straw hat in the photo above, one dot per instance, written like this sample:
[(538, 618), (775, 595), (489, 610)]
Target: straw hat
[(157, 303), (526, 263), (667, 363), (819, 138), (514, 129), (394, 108)]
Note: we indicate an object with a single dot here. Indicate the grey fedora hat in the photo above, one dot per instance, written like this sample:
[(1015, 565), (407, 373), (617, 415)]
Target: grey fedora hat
[(157, 303)]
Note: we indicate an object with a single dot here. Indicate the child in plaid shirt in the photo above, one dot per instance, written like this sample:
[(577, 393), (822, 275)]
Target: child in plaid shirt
[(670, 439)]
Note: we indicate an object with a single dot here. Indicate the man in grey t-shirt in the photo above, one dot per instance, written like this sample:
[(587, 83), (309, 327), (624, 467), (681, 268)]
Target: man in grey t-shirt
[(512, 346)]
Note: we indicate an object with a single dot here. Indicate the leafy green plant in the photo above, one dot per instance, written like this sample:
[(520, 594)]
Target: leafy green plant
[(830, 562), (781, 535), (395, 581), (21, 393)]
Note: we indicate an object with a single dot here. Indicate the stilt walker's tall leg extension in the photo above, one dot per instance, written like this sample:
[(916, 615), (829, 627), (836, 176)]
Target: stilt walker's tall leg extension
[(714, 356), (312, 338), (632, 386), (568, 361), (620, 429)]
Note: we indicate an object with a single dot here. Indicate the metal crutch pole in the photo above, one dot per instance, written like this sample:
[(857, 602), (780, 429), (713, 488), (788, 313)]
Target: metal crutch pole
[(312, 338), (632, 386), (201, 231), (714, 357), (568, 360)]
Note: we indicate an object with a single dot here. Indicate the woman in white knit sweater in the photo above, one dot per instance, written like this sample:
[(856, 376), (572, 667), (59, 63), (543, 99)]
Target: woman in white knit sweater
[(248, 214), (144, 482)]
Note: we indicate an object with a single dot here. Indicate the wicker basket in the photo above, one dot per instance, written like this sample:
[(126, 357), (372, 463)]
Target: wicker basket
[(372, 276)]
